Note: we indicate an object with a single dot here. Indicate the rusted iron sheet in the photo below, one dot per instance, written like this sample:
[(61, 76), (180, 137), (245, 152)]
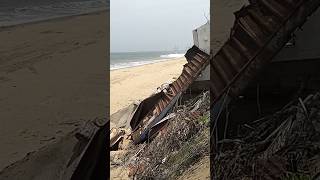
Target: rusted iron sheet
[(260, 30), (154, 108)]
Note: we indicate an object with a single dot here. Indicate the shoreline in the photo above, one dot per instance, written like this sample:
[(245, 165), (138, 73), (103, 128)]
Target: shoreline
[(52, 19)]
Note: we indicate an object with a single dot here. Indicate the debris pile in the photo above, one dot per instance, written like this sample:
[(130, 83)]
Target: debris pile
[(179, 144), (284, 145)]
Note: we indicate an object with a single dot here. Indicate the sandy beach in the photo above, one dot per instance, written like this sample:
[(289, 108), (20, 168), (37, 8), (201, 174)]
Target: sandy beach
[(137, 83), (52, 79)]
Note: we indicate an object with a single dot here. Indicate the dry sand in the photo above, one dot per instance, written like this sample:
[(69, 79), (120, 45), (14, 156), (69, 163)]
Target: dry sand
[(52, 79), (136, 83)]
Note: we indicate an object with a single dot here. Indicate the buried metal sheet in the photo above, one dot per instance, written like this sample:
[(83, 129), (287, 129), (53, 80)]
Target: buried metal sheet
[(154, 108), (260, 30)]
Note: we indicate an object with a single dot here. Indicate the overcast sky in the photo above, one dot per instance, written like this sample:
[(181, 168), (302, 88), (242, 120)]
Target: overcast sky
[(155, 25)]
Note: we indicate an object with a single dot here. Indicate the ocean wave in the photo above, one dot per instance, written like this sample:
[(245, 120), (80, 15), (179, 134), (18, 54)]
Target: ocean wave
[(169, 56)]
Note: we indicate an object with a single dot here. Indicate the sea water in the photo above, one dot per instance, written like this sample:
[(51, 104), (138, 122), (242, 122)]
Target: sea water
[(120, 60), (14, 12)]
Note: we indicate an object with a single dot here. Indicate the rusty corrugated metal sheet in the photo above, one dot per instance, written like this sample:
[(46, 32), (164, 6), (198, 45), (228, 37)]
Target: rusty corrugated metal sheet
[(145, 117), (260, 30), (197, 60)]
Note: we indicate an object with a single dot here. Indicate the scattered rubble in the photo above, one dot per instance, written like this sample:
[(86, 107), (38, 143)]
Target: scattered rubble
[(179, 144)]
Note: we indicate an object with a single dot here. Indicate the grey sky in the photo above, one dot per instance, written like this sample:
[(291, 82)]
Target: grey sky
[(155, 25)]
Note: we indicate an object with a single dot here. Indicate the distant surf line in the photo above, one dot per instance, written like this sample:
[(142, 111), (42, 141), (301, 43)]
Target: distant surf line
[(165, 57)]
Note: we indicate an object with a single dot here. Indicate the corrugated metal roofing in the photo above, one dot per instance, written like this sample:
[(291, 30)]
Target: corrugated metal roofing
[(197, 61), (260, 30)]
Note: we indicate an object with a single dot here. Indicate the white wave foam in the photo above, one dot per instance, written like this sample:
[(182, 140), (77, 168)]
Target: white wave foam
[(169, 56)]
